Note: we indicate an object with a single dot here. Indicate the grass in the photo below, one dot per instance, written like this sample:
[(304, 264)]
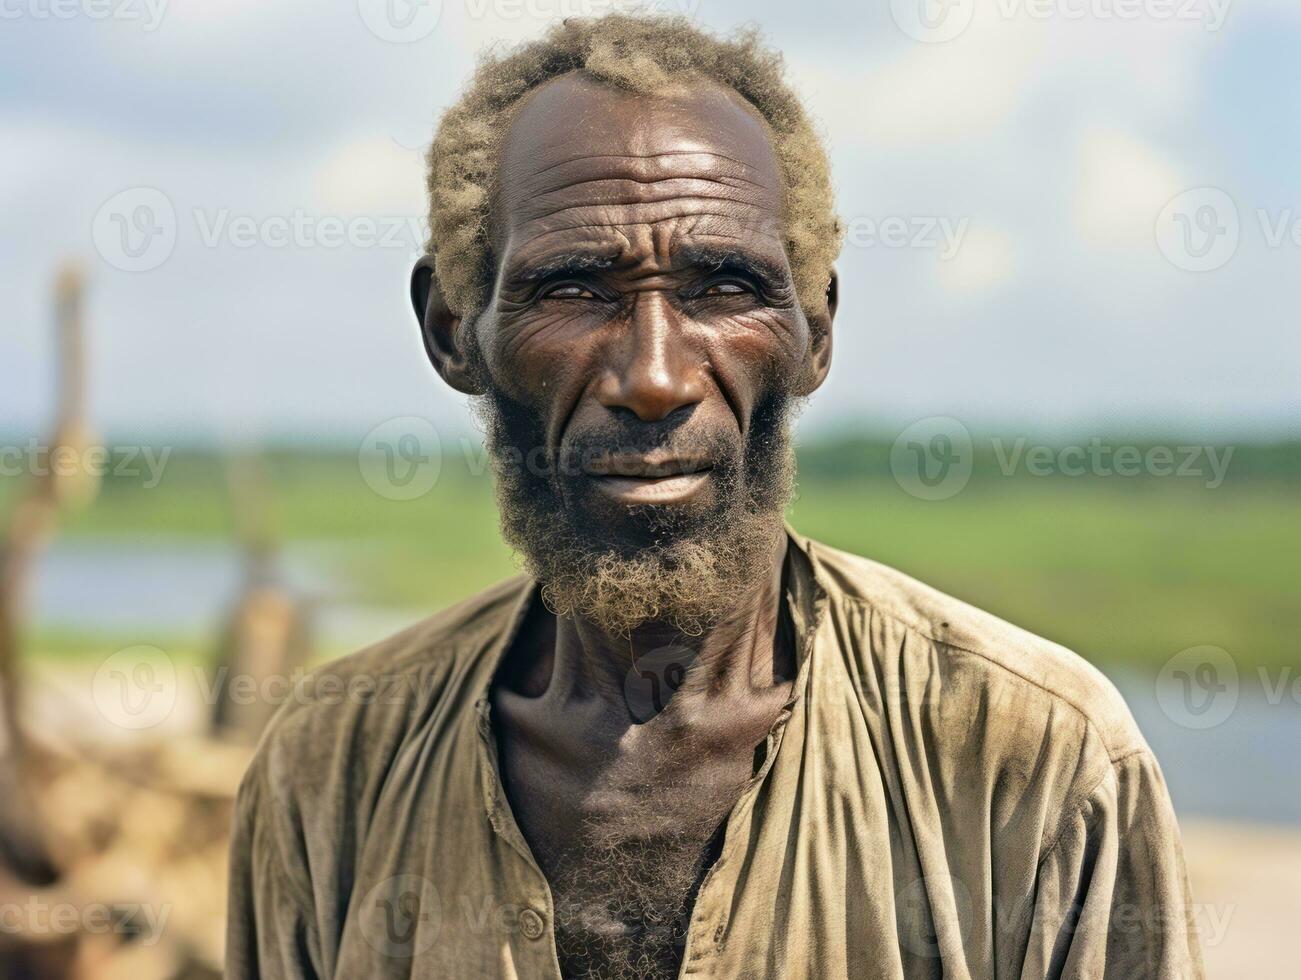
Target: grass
[(1122, 570), (1119, 573)]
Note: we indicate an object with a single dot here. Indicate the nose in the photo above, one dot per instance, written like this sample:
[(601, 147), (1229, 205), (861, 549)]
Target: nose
[(652, 371)]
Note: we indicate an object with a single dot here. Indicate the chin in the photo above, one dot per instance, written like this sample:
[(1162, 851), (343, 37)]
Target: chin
[(608, 523)]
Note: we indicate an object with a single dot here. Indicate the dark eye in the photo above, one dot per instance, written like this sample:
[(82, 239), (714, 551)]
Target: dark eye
[(566, 290), (727, 287)]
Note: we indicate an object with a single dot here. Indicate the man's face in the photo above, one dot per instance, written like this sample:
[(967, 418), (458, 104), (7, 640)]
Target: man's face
[(642, 341)]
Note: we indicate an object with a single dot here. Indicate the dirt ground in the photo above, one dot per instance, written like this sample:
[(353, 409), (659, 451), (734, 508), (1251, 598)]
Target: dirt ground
[(1246, 881)]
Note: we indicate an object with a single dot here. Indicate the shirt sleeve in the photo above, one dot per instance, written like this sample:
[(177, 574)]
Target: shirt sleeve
[(1112, 897), (270, 931)]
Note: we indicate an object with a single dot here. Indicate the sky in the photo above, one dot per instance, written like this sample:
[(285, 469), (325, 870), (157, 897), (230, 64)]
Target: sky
[(1065, 216)]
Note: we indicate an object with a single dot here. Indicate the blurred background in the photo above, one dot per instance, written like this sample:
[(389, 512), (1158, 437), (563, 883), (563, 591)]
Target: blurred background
[(1067, 388)]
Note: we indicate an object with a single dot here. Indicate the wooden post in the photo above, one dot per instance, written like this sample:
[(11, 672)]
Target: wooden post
[(265, 636), (31, 524)]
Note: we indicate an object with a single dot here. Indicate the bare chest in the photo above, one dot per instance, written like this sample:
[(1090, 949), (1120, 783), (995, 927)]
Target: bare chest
[(624, 843)]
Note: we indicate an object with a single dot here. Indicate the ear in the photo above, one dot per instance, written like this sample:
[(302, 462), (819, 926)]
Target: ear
[(440, 329), (820, 330)]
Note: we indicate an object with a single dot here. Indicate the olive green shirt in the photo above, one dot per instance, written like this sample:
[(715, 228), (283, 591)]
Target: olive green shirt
[(945, 795)]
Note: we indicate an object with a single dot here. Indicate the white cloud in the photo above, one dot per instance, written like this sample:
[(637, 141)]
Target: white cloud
[(927, 93), (986, 260), (1122, 184), (30, 148), (372, 175)]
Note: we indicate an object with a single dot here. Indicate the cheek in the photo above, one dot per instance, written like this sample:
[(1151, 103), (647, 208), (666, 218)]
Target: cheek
[(544, 362), (757, 353), (530, 356)]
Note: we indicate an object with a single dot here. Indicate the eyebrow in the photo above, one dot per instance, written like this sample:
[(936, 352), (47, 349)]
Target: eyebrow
[(769, 273), (564, 264), (764, 270)]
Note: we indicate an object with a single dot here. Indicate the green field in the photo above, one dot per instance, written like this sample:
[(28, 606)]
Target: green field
[(1124, 570)]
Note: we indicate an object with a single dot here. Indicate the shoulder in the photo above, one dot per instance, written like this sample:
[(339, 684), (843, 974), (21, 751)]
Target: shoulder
[(340, 723), (1009, 687), (398, 671)]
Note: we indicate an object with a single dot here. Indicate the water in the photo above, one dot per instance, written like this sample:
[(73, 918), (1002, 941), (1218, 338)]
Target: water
[(180, 586), (184, 588), (1247, 767)]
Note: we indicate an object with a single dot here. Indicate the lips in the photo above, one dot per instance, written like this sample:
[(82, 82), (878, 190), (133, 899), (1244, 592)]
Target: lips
[(637, 479), (635, 466)]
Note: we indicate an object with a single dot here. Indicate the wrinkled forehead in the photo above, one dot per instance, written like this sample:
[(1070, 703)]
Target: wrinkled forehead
[(583, 160)]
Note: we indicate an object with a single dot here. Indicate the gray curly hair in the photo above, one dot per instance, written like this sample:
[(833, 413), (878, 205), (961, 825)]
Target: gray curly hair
[(655, 55)]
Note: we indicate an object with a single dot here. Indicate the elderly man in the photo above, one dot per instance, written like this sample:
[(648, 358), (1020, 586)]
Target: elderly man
[(689, 742)]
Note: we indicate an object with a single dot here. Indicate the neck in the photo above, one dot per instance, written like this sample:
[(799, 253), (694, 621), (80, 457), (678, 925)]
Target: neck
[(738, 654)]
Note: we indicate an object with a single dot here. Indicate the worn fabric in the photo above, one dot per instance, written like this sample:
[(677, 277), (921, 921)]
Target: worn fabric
[(945, 795)]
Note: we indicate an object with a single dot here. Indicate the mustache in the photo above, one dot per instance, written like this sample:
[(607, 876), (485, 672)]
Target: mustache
[(527, 467), (663, 438), (517, 442)]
